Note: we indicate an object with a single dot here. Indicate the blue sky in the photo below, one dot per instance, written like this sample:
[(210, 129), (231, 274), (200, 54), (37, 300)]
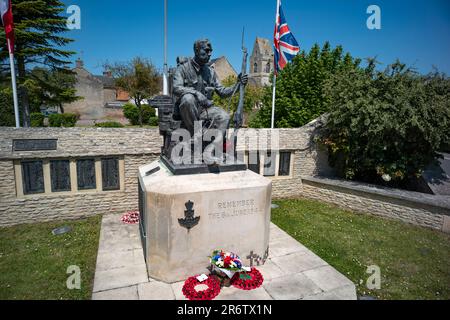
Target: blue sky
[(415, 31)]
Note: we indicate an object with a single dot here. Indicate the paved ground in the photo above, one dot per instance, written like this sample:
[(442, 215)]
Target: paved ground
[(292, 271)]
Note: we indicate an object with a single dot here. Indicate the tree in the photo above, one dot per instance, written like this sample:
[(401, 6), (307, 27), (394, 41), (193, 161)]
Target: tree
[(386, 126), (300, 97), (6, 108), (52, 87), (139, 78), (38, 42)]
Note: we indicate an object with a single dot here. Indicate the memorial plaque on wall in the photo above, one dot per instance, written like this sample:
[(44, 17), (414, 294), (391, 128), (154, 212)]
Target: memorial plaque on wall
[(32, 177), (34, 144), (110, 174), (285, 164), (86, 174), (60, 175)]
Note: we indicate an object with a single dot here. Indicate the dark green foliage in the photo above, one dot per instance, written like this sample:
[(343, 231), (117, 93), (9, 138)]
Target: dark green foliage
[(40, 26), (62, 120), (109, 124), (6, 109), (153, 121), (131, 112), (387, 124), (51, 88), (300, 95), (37, 119)]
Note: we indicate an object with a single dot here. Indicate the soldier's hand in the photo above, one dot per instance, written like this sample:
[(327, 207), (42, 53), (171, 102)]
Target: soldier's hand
[(243, 79)]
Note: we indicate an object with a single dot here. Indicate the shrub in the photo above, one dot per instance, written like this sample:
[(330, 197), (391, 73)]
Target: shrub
[(6, 109), (62, 120), (153, 121), (386, 126), (37, 119), (109, 124), (131, 112)]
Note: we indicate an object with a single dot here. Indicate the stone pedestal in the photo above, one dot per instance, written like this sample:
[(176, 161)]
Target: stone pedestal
[(186, 217)]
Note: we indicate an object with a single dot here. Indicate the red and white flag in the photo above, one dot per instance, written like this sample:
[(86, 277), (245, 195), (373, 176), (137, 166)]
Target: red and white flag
[(7, 20)]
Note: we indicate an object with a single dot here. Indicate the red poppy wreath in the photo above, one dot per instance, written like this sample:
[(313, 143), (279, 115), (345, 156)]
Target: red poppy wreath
[(253, 281), (191, 293), (131, 217)]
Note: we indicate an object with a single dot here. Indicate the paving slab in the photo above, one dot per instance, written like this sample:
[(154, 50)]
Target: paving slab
[(343, 293), (327, 278), (127, 293), (155, 290), (298, 262), (277, 233), (107, 260), (270, 270), (177, 290), (291, 287), (120, 277), (291, 271), (233, 293), (284, 246)]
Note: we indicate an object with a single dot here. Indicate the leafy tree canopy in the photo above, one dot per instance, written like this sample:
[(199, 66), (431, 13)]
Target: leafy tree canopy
[(386, 124), (139, 78), (300, 95), (39, 42)]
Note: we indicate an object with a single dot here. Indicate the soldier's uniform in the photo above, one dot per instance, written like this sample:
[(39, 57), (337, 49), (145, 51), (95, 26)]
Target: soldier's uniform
[(191, 78)]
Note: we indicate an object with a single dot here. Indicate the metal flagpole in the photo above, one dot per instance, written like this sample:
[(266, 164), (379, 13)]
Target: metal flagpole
[(273, 101), (165, 80), (274, 71), (13, 80)]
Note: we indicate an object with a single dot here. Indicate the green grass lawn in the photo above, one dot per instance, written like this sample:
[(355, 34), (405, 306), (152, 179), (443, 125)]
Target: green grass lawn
[(414, 261), (34, 262)]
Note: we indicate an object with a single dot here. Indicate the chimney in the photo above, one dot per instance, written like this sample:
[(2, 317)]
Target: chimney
[(79, 63)]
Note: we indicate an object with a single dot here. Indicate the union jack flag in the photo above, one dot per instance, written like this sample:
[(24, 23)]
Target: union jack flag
[(285, 45)]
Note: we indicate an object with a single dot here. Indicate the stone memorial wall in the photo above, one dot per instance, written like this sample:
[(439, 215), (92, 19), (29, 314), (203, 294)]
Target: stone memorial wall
[(101, 167)]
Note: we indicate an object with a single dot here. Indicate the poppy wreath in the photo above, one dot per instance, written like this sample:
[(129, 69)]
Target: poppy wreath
[(208, 294), (255, 281), (131, 217)]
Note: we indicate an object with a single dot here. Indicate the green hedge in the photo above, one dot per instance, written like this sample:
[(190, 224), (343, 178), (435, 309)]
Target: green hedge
[(62, 120), (37, 119), (109, 124), (131, 112), (153, 121)]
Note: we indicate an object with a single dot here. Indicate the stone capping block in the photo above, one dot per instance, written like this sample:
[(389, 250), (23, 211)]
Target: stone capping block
[(436, 202), (81, 142)]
